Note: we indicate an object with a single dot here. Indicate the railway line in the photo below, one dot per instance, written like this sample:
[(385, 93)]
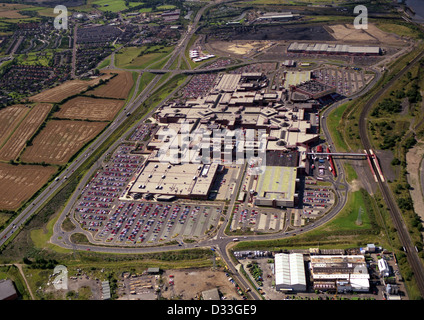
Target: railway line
[(405, 239)]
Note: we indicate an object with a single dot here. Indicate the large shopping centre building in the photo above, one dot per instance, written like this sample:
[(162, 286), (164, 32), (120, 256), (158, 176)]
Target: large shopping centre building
[(187, 154)]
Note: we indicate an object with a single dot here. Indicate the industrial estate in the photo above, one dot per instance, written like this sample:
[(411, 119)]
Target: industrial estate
[(211, 150)]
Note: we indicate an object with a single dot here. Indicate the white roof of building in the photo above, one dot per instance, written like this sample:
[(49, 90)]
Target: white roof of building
[(338, 48), (382, 265), (289, 269)]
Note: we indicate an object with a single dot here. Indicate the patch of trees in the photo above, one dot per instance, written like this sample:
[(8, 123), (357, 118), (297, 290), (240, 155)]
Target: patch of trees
[(389, 142), (387, 105), (29, 13), (409, 143), (41, 263), (414, 94), (405, 203)]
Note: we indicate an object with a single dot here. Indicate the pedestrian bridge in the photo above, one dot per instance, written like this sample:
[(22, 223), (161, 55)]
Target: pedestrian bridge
[(338, 154)]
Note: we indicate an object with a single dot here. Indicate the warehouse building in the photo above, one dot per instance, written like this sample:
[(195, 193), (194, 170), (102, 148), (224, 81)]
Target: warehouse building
[(314, 89), (339, 273), (334, 49), (289, 272), (278, 16), (228, 82)]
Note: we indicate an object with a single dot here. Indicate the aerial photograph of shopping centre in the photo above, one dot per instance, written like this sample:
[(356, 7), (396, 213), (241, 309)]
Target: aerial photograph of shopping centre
[(219, 150)]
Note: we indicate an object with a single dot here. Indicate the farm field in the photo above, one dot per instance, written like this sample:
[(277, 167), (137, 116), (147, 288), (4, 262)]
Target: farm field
[(60, 140), (140, 57), (16, 143), (67, 89), (11, 10), (113, 6), (118, 87), (10, 118), (20, 182), (85, 108)]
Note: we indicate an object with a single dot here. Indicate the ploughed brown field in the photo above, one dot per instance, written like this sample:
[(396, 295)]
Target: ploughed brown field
[(20, 182), (16, 142), (67, 89), (118, 87), (85, 108), (10, 118), (60, 140)]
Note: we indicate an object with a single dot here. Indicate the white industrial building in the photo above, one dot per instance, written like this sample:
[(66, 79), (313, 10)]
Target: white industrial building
[(383, 267), (289, 272), (332, 48)]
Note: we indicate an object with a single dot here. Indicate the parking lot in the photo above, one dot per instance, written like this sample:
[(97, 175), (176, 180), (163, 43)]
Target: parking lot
[(258, 219), (104, 209), (317, 201), (347, 81), (101, 194), (148, 222)]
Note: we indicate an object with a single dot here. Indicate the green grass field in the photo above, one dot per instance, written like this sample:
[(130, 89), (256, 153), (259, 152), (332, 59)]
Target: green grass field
[(140, 57), (35, 58), (350, 172), (111, 5), (350, 217), (333, 123), (146, 78)]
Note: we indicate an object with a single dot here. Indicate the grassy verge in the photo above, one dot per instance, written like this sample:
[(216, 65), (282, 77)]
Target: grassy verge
[(146, 78), (141, 57), (335, 126)]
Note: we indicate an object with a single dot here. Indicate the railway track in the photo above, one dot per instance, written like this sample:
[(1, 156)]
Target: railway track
[(406, 241)]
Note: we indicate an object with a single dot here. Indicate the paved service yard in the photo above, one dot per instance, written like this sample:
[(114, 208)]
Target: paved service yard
[(225, 182)]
